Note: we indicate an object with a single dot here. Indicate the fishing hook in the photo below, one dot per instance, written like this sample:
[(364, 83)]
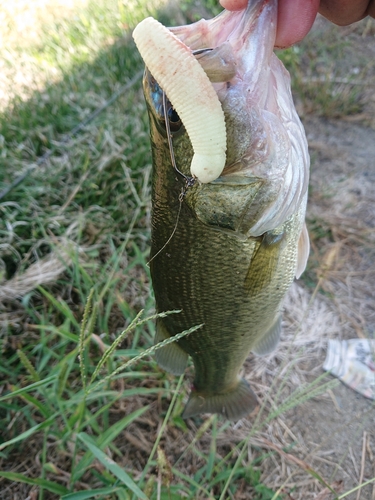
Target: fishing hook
[(201, 51), (189, 181)]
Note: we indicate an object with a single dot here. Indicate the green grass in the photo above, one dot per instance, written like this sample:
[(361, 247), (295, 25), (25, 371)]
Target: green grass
[(71, 400), (324, 78)]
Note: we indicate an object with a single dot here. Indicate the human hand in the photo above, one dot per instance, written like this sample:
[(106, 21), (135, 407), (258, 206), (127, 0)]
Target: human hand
[(295, 17)]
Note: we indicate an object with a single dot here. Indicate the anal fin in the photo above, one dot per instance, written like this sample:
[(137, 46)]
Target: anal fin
[(233, 405), (269, 341), (170, 357)]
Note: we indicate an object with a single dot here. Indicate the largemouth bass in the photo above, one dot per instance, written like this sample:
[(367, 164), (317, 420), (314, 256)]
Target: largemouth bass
[(225, 251)]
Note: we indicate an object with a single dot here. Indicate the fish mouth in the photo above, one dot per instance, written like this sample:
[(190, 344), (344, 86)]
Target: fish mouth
[(214, 55), (265, 138)]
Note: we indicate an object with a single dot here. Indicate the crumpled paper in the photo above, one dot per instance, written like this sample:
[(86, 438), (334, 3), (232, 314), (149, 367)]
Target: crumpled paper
[(353, 362)]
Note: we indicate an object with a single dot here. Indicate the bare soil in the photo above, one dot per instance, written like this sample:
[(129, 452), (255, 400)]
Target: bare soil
[(343, 199)]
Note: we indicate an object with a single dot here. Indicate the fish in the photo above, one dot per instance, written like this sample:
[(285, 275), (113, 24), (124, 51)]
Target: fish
[(225, 248)]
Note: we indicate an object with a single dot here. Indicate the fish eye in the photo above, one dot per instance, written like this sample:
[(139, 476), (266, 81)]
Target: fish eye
[(155, 98), (174, 120), (173, 116)]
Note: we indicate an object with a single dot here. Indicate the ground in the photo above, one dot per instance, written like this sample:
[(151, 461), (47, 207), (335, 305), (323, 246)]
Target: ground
[(333, 429)]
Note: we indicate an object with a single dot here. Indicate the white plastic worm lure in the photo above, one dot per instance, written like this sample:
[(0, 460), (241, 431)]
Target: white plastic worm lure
[(190, 92)]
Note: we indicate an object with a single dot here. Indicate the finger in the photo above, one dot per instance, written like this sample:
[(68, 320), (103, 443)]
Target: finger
[(295, 18), (344, 12), (234, 4), (371, 9)]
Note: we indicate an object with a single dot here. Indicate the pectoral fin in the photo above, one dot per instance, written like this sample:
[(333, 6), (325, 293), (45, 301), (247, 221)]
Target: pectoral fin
[(171, 357), (303, 251), (233, 404), (264, 263), (269, 341)]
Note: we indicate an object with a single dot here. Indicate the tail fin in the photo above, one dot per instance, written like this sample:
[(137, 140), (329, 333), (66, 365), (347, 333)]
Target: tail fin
[(233, 404)]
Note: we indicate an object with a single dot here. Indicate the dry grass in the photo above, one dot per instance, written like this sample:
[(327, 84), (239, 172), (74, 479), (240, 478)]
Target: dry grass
[(22, 23)]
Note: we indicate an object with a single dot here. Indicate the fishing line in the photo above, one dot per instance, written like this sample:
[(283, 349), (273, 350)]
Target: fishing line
[(189, 181), (70, 135), (170, 137), (180, 198)]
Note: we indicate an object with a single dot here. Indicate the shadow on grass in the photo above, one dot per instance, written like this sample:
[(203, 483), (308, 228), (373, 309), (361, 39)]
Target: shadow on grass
[(95, 184)]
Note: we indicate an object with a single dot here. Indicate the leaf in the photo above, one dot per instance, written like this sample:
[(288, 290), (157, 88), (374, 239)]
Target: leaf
[(28, 388), (136, 391), (193, 483), (41, 407), (61, 306), (29, 432), (111, 465), (48, 485), (82, 495), (108, 436), (61, 330), (94, 396)]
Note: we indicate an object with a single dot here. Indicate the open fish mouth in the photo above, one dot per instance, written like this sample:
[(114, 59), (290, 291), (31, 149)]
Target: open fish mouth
[(248, 126)]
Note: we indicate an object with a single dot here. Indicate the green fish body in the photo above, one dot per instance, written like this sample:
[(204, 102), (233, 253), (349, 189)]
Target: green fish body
[(225, 253)]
